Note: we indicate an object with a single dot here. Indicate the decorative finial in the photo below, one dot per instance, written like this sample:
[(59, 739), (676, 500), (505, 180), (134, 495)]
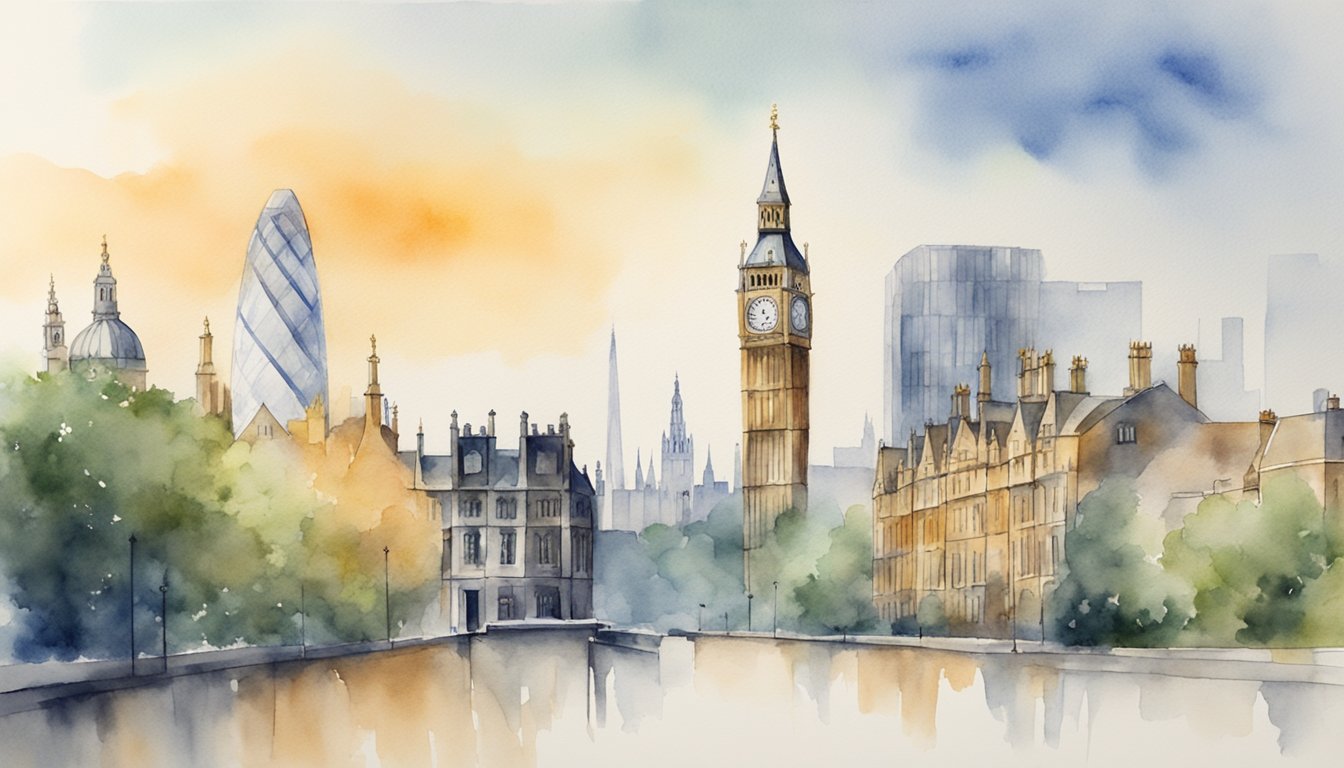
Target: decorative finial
[(207, 325), (805, 253), (774, 118), (742, 246), (373, 343), (106, 255)]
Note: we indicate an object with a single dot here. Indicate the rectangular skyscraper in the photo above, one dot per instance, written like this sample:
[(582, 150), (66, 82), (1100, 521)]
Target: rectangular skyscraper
[(946, 305)]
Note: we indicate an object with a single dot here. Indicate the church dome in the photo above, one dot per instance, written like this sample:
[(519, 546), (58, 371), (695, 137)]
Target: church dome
[(108, 342), (111, 341)]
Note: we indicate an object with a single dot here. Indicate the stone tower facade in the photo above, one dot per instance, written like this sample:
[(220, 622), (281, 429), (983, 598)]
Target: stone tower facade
[(774, 301), (53, 334), (678, 461)]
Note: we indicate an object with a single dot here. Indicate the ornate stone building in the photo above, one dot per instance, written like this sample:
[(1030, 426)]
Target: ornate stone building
[(212, 395), (517, 523), (970, 516), (675, 499), (774, 302)]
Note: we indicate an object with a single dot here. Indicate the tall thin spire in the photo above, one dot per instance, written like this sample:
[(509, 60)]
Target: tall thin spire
[(373, 396), (53, 333), (774, 191), (105, 289), (615, 467)]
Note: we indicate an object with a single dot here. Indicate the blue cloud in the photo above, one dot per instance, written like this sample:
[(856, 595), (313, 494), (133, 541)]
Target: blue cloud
[(1058, 84)]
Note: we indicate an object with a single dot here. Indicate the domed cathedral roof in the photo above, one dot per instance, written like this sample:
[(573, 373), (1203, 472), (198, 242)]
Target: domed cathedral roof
[(107, 339), (774, 243)]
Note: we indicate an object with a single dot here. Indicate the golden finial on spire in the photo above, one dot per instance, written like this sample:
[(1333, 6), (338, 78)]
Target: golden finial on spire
[(774, 118), (373, 343), (207, 325), (106, 256)]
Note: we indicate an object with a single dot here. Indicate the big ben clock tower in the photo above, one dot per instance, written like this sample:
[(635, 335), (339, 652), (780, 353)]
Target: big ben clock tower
[(774, 329)]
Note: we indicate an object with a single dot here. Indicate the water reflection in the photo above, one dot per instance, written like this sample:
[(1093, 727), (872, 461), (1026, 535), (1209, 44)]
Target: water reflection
[(570, 696)]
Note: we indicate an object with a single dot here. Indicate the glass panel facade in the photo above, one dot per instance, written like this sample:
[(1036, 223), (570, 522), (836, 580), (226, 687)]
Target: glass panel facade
[(279, 341)]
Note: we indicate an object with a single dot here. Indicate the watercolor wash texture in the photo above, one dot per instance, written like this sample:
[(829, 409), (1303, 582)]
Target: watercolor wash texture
[(1076, 531)]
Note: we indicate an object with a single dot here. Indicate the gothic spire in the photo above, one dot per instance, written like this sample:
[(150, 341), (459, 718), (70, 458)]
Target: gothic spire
[(773, 191), (615, 464)]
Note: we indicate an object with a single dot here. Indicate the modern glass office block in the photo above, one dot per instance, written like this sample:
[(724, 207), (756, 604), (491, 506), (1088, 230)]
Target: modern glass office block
[(279, 342)]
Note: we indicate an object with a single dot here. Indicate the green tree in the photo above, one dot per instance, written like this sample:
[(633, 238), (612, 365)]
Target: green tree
[(233, 529), (1250, 564), (840, 592), (1113, 591)]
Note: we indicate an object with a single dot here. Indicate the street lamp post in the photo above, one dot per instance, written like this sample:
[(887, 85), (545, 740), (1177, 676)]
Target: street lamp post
[(163, 617), (387, 596), (750, 596), (700, 618), (725, 622), (774, 618), (303, 625), (130, 595)]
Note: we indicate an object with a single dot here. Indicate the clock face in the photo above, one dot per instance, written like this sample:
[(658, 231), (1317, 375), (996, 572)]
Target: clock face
[(762, 314), (798, 314)]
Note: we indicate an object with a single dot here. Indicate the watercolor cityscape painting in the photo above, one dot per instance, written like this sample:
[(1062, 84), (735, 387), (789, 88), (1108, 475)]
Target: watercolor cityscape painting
[(460, 386)]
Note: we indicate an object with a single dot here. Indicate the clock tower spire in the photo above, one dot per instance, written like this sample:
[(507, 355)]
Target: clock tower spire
[(774, 298)]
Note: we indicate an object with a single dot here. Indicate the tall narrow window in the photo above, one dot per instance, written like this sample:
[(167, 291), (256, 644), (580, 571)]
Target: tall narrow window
[(471, 548), (508, 544)]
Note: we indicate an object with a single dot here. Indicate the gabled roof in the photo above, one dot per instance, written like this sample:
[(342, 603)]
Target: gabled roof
[(1304, 438), (1090, 410), (1031, 418), (578, 481), (1158, 390)]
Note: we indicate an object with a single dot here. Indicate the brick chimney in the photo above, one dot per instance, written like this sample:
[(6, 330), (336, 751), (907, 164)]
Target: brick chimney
[(1078, 375), (1185, 374), (1140, 367), (961, 401)]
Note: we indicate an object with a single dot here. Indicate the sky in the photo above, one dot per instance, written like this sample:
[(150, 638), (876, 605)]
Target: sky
[(491, 188)]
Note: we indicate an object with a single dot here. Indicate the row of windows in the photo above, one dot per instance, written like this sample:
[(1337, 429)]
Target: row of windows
[(547, 600), (968, 567), (507, 508), (545, 551)]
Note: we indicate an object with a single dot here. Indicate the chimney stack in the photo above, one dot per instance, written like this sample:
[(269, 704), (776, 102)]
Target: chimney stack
[(1078, 375), (1332, 403), (1024, 371), (961, 401), (1047, 371), (1267, 422), (1140, 367), (986, 387), (1185, 374)]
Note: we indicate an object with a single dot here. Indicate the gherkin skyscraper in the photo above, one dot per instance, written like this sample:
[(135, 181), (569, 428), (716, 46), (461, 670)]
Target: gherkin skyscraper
[(279, 341)]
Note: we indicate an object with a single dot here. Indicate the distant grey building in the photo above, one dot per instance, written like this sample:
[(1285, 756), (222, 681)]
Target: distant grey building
[(1095, 320), (949, 305), (1299, 312), (862, 455), (517, 524), (1222, 382)]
